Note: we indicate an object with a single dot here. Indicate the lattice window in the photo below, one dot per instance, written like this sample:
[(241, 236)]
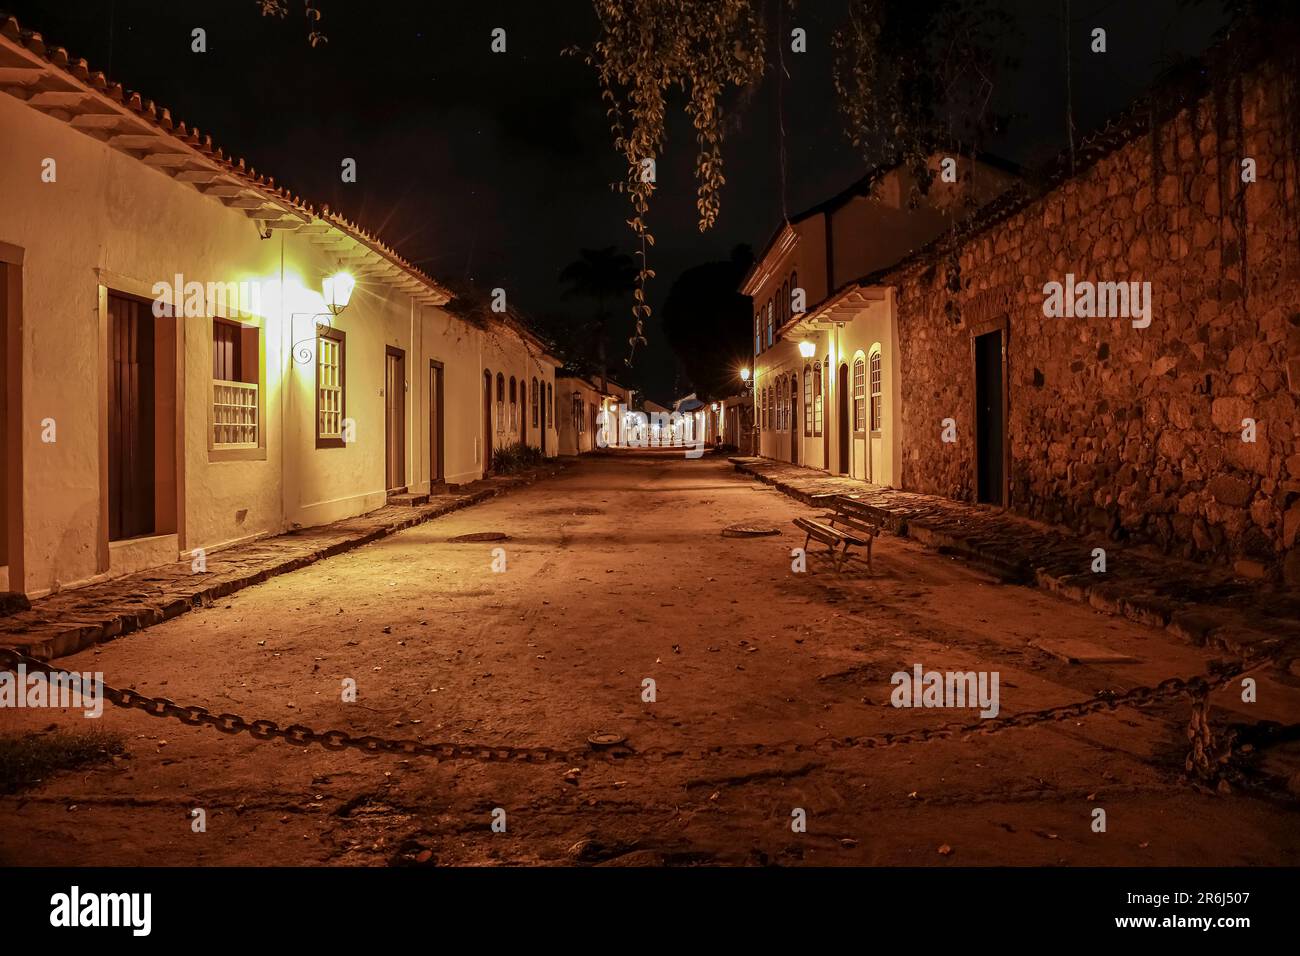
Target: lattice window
[(859, 395), (807, 402), (329, 388), (817, 399), (234, 414), (875, 391)]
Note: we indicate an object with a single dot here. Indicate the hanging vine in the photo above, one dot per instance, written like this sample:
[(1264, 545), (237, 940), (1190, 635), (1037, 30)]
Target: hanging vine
[(646, 50), (280, 8)]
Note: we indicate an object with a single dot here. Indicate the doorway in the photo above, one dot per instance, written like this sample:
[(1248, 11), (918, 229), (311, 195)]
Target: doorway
[(990, 417), (395, 419), (795, 418), (437, 475), (487, 422), (842, 417), (542, 395), (132, 398)]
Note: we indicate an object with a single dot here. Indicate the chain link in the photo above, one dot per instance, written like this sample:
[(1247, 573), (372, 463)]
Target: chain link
[(1202, 759)]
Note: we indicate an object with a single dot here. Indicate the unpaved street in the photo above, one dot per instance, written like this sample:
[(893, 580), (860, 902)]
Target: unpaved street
[(616, 572)]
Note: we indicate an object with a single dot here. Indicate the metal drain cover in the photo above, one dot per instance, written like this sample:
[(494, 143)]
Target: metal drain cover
[(605, 739), (748, 531), (480, 536)]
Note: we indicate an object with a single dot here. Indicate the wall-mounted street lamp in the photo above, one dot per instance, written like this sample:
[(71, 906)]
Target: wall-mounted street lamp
[(807, 349), (337, 290), (744, 375)]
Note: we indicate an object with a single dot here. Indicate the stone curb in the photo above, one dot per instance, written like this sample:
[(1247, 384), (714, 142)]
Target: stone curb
[(104, 622), (1216, 626)]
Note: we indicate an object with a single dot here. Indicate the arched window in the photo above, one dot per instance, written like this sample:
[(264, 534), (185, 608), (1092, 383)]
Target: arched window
[(758, 333), (859, 395), (533, 398), (785, 302), (817, 398), (780, 404), (767, 413), (794, 287), (771, 331), (807, 402), (875, 391), (501, 402), (514, 406)]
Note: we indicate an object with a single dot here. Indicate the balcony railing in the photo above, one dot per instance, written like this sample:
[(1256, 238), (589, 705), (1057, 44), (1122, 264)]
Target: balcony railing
[(234, 414)]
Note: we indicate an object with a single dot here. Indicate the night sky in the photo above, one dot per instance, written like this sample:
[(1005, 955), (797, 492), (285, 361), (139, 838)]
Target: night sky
[(496, 168)]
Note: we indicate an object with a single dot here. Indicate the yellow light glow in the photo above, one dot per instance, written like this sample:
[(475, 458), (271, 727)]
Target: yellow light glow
[(807, 349), (338, 291)]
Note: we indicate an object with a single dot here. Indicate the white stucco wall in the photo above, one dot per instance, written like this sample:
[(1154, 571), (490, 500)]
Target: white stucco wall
[(109, 220)]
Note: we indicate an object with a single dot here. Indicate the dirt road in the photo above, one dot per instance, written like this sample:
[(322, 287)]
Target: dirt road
[(616, 572)]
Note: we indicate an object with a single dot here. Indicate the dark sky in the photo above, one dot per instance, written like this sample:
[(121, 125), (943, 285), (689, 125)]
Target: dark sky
[(496, 168)]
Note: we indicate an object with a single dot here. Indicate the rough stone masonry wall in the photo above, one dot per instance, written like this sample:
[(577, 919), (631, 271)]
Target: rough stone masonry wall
[(1137, 432)]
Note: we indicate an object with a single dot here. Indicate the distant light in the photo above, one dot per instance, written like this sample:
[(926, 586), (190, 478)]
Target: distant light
[(337, 290), (807, 349)]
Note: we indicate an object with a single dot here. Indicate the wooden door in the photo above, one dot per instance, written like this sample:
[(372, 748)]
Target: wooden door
[(436, 466), (487, 422), (395, 418), (131, 436), (990, 418), (5, 467)]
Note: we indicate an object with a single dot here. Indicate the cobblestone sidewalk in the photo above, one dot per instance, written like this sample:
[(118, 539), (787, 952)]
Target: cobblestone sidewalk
[(1203, 605), (69, 621)]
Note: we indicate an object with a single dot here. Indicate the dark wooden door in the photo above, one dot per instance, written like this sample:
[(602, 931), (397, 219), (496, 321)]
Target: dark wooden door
[(131, 438), (395, 417), (990, 417), (436, 466), (5, 464), (795, 419), (842, 386), (487, 422), (542, 400)]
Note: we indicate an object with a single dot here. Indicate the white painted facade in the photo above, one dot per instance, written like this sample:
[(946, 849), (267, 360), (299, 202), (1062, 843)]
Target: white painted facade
[(102, 225), (837, 409)]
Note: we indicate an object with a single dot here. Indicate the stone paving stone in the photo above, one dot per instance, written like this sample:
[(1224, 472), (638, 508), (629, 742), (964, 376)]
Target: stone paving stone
[(1202, 605), (73, 620)]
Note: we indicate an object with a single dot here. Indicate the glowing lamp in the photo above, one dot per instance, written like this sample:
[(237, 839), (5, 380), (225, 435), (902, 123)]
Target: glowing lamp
[(744, 374), (807, 349), (337, 290)]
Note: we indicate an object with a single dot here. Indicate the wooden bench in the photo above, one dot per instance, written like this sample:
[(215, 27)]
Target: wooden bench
[(850, 525)]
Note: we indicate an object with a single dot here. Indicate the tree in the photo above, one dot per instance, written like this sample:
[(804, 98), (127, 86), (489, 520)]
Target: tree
[(603, 276), (708, 324)]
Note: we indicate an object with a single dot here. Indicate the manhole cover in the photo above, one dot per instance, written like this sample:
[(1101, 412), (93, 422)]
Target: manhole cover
[(480, 536), (605, 739), (748, 531)]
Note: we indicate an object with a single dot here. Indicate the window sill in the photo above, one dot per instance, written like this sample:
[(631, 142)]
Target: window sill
[(236, 454)]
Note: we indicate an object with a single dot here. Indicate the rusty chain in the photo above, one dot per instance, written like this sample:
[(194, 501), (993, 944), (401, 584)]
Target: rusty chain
[(1202, 759)]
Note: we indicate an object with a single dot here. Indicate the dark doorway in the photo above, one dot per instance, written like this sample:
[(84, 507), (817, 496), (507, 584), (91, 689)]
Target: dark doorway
[(131, 424), (395, 418), (990, 417), (4, 418), (542, 401), (487, 422), (795, 419), (436, 466), (842, 417)]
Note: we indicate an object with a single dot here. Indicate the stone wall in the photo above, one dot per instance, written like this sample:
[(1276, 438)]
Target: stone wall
[(1134, 432)]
